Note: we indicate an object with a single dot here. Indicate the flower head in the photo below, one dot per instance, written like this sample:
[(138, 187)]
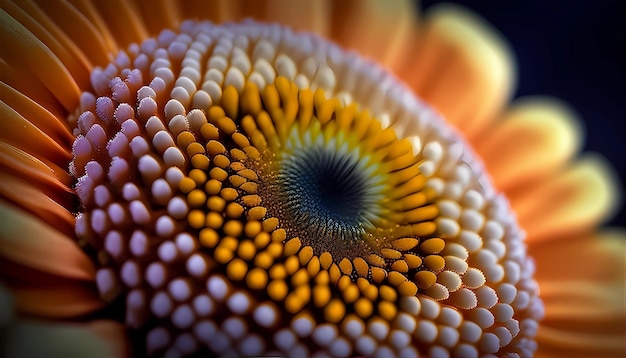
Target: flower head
[(239, 188)]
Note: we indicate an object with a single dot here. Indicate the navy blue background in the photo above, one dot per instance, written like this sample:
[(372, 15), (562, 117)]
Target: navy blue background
[(573, 50)]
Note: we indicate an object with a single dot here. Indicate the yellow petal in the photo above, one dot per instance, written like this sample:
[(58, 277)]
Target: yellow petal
[(536, 137), (31, 242), (462, 68), (568, 204)]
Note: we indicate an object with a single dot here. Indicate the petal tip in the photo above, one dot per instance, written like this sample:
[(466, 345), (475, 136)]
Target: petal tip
[(488, 45)]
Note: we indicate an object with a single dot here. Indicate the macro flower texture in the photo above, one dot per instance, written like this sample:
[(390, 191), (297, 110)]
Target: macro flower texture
[(287, 178)]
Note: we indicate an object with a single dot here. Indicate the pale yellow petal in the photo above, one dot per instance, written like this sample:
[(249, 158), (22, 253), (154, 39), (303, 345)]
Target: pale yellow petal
[(534, 139), (568, 204)]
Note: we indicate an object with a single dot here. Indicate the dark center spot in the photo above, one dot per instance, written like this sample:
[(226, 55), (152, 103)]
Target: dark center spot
[(325, 192)]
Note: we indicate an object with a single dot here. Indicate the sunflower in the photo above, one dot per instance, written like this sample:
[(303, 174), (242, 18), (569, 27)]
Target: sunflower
[(239, 178)]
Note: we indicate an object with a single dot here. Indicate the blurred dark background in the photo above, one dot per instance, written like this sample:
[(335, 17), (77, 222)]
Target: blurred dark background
[(572, 50)]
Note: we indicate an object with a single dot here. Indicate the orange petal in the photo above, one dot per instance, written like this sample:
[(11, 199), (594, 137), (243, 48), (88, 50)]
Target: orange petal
[(304, 15), (462, 68), (56, 128), (64, 340), (89, 10), (45, 294), (381, 30), (593, 257), (32, 200), (216, 10), (536, 137), (31, 242), (28, 54), (77, 27), (39, 294), (51, 178), (569, 203), (36, 21), (582, 303), (582, 286), (556, 343), (113, 333), (21, 133), (51, 184), (159, 15), (123, 20), (29, 85)]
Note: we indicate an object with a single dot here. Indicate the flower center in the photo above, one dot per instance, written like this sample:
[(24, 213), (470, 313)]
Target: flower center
[(249, 204)]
